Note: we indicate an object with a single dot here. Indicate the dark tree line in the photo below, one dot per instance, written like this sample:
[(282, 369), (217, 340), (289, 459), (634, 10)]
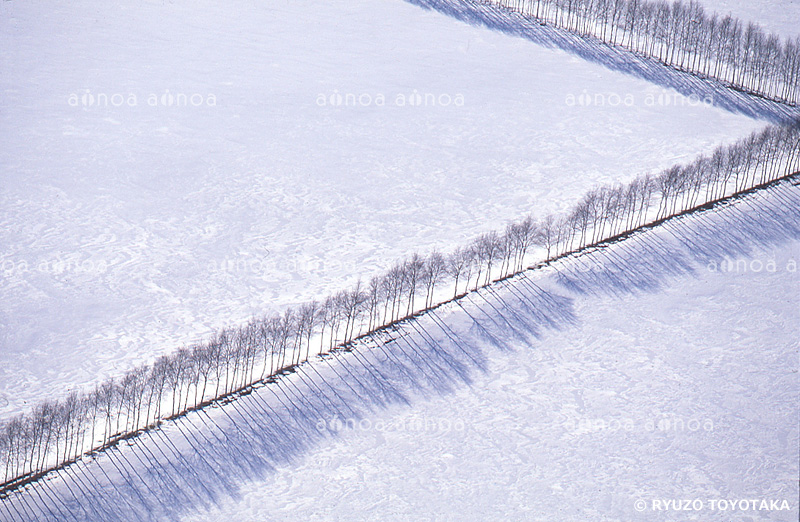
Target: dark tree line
[(56, 432), (682, 35)]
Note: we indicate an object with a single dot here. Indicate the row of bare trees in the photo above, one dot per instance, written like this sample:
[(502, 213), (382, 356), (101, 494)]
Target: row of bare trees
[(56, 432), (608, 211), (681, 34)]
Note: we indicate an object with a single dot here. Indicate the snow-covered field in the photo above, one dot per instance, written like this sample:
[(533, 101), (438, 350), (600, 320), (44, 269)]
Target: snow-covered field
[(777, 16), (662, 368), (689, 392), (130, 225), (169, 168)]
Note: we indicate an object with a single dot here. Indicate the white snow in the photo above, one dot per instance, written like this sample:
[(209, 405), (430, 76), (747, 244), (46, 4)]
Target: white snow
[(689, 392), (640, 372), (635, 374), (776, 16), (128, 230)]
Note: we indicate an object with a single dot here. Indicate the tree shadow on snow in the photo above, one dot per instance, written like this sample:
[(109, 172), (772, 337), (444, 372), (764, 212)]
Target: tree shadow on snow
[(197, 460), (614, 58), (207, 455), (703, 241)]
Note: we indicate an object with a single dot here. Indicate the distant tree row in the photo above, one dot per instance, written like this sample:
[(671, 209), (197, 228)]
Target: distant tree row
[(682, 35), (56, 432)]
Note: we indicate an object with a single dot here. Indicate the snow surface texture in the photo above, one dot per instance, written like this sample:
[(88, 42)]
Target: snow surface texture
[(777, 16), (129, 230), (615, 58), (638, 371)]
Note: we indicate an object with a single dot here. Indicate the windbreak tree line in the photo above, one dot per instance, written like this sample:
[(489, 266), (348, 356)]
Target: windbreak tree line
[(57, 432), (682, 35)]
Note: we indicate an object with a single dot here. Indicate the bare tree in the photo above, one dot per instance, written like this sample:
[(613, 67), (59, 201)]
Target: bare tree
[(413, 269), (456, 264), (5, 453), (433, 271), (106, 399), (375, 296), (352, 303), (204, 365)]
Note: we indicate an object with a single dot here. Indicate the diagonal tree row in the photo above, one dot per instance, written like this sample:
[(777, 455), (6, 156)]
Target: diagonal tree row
[(681, 35), (55, 433)]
